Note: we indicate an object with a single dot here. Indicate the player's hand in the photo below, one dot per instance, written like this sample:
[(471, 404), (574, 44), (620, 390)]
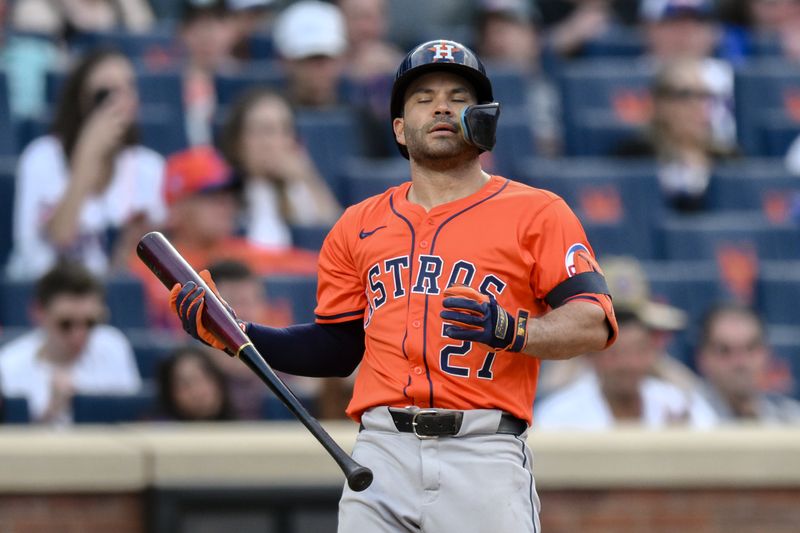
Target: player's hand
[(474, 316), (188, 302)]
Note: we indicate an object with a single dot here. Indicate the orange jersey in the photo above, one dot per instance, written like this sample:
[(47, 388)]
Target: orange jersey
[(388, 261)]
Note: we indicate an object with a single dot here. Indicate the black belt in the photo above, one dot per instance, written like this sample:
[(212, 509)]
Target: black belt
[(431, 423)]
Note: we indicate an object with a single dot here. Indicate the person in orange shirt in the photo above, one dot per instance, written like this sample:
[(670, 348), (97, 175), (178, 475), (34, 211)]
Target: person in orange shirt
[(448, 290), (199, 191)]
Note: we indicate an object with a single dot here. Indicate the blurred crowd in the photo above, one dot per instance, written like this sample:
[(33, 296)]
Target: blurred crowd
[(210, 120)]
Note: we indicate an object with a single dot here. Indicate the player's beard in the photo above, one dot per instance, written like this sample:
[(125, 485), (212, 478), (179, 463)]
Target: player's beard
[(439, 152)]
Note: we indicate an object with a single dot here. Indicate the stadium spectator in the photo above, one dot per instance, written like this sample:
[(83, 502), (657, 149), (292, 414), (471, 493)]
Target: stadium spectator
[(245, 292), (792, 159), (688, 29), (620, 389), (573, 23), (281, 185), (627, 280), (369, 53), (70, 351), (88, 177), (43, 30), (192, 389), (370, 64), (733, 357), (680, 135), (509, 36), (27, 53), (311, 40), (66, 18), (201, 224), (208, 35), (756, 27)]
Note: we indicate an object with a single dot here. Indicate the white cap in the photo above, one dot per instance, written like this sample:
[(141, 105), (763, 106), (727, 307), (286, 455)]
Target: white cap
[(310, 28)]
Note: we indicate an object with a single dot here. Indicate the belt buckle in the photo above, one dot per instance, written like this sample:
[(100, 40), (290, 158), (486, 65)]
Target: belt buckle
[(414, 423)]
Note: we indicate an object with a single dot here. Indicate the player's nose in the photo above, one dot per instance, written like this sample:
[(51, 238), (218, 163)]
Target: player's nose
[(442, 107)]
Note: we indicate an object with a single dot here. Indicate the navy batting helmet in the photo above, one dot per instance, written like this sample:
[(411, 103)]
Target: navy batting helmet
[(452, 57)]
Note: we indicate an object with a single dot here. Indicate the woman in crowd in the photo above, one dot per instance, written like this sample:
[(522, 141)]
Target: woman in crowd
[(281, 186), (192, 388), (680, 135), (89, 178)]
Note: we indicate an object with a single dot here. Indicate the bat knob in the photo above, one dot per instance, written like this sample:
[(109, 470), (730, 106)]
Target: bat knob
[(360, 478)]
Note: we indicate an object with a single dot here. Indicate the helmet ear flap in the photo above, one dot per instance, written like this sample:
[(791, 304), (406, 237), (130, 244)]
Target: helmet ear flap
[(479, 125)]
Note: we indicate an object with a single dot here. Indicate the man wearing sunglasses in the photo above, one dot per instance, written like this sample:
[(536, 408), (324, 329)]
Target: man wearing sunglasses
[(733, 357), (70, 351)]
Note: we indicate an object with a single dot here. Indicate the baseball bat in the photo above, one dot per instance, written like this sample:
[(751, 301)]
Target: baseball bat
[(170, 267)]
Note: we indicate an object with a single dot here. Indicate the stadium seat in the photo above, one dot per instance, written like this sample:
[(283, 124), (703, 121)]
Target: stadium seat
[(231, 85), (603, 97), (617, 201), (261, 48), (515, 141), (124, 298), (151, 348), (163, 87), (367, 177), (113, 409), (784, 342), (273, 409), (331, 136), (309, 237), (706, 236), (778, 131), (8, 142), (619, 41), (692, 286), (135, 45), (757, 184), (778, 291), (15, 301), (162, 128), (15, 410), (765, 89), (508, 85), (6, 209), (298, 291)]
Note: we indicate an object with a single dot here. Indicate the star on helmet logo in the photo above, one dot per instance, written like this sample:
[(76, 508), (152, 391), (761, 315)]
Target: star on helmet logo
[(444, 51)]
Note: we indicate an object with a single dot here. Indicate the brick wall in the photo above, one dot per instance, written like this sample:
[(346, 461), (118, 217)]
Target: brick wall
[(668, 511), (118, 513)]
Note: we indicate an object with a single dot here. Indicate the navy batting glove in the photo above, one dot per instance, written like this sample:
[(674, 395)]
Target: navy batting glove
[(478, 317)]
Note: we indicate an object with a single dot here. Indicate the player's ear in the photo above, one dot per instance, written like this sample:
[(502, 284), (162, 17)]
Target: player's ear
[(398, 125)]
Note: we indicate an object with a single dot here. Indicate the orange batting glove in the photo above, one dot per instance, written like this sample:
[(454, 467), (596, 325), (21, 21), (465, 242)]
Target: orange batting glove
[(188, 302), (477, 317)]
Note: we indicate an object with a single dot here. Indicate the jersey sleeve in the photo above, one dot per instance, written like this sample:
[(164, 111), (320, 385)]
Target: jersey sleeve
[(564, 266), (340, 289)]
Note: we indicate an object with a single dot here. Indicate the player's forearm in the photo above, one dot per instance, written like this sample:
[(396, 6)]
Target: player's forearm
[(314, 350), (573, 329)]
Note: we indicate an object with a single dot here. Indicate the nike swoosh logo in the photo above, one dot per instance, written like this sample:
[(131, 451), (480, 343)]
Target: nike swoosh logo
[(365, 234)]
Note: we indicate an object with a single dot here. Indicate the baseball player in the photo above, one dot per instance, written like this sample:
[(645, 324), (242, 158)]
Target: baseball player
[(447, 290)]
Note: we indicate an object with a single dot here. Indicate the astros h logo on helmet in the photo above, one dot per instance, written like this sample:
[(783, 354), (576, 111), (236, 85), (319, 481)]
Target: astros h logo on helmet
[(443, 51)]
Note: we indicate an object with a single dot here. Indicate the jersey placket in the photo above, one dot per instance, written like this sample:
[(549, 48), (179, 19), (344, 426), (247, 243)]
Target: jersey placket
[(420, 361)]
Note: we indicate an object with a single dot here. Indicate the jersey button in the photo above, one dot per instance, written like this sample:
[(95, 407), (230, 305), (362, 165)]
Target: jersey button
[(423, 244), (431, 222), (418, 370), (416, 323)]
